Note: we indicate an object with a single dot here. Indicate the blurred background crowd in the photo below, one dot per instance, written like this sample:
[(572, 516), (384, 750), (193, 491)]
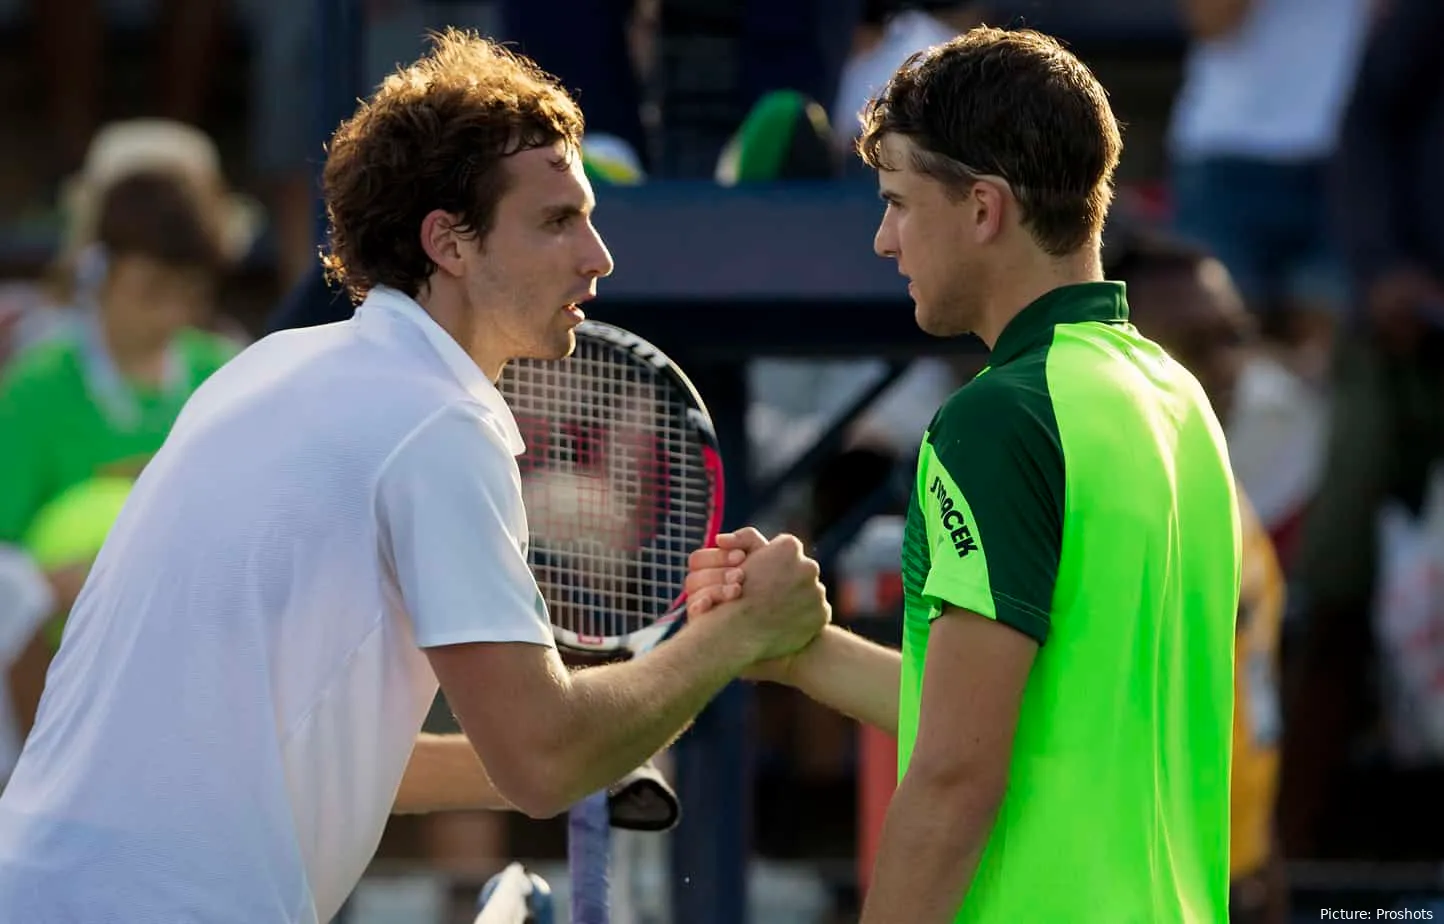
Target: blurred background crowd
[(1279, 221)]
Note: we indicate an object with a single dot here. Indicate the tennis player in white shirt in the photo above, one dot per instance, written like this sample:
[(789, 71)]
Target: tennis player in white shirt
[(335, 525)]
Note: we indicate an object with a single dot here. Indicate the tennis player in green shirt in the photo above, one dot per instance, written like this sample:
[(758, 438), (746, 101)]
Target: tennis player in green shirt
[(1063, 701)]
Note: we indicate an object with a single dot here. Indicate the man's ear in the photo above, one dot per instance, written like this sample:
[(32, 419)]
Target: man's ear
[(988, 205), (442, 242)]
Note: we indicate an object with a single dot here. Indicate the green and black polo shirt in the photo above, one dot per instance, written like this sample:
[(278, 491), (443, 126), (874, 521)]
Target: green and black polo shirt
[(1079, 490)]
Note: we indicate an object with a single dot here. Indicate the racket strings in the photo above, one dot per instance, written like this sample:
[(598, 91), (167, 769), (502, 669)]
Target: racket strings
[(617, 493)]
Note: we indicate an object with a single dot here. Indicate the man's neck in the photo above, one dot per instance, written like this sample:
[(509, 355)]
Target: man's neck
[(449, 309), (1028, 280)]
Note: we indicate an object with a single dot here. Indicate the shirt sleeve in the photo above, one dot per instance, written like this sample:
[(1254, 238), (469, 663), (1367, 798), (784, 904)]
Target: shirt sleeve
[(453, 534), (991, 495)]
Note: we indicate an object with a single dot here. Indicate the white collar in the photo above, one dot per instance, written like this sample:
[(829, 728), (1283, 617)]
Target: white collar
[(397, 304)]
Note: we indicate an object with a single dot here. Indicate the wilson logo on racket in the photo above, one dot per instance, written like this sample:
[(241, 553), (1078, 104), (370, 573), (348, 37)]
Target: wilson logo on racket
[(953, 521)]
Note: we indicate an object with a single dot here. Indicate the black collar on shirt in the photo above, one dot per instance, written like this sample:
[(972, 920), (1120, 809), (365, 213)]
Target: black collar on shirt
[(1088, 301)]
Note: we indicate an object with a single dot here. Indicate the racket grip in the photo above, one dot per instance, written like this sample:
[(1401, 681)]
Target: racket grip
[(589, 836)]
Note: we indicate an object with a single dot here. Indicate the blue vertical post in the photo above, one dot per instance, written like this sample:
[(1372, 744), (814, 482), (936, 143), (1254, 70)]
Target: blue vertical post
[(714, 764)]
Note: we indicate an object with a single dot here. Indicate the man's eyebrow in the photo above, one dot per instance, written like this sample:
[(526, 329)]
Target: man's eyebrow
[(568, 210), (889, 195)]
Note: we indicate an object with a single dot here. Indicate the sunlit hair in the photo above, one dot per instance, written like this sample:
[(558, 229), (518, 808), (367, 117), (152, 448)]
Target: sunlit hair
[(435, 135)]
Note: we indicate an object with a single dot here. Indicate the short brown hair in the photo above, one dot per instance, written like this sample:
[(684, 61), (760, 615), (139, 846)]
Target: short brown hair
[(159, 214), (434, 136), (1014, 104)]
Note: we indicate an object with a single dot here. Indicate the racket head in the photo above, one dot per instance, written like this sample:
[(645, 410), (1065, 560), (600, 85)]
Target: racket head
[(622, 480)]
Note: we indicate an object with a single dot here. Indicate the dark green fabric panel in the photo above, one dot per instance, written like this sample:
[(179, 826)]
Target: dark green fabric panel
[(998, 440)]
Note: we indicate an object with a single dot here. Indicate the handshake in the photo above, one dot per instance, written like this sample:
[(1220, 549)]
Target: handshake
[(768, 594)]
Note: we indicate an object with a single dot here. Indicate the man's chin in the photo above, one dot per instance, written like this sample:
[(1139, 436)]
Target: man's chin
[(930, 323), (562, 346)]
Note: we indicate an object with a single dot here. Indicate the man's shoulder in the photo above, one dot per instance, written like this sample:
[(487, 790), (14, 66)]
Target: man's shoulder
[(344, 362), (454, 456), (1010, 399), (998, 436), (462, 427)]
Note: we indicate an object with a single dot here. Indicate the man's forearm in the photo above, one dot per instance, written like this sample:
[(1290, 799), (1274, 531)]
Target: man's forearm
[(932, 841), (620, 715), (852, 675), (444, 774)]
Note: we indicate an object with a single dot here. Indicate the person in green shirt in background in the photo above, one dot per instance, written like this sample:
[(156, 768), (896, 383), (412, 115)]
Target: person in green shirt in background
[(81, 413)]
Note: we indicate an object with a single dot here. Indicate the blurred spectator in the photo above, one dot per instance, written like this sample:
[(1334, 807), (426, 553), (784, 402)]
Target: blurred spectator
[(1251, 135), (1252, 132), (31, 312), (1276, 434), (120, 148), (99, 401), (123, 148), (65, 414), (1387, 427), (1183, 299)]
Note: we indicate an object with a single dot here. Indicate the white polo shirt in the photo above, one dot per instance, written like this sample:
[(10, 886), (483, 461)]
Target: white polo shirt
[(236, 696)]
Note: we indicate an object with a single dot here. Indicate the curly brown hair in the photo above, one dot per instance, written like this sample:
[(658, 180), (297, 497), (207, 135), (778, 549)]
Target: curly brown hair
[(1009, 103), (434, 136)]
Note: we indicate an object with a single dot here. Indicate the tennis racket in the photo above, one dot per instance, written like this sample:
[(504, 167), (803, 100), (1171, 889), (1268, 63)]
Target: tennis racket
[(622, 481)]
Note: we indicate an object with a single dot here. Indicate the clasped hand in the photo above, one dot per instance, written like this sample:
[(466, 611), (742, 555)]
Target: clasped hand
[(784, 605)]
